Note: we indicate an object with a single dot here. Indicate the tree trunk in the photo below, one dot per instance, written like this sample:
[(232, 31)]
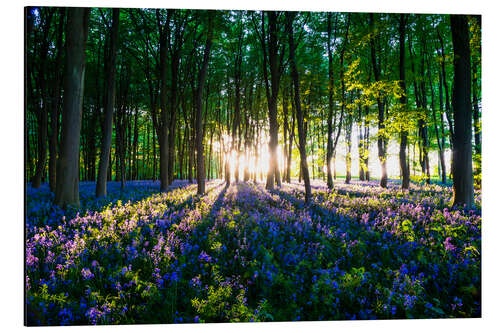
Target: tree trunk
[(200, 166), (329, 147), (421, 104), (67, 192), (43, 109), (173, 116), (298, 108), (443, 138), (404, 132), (446, 90), (209, 171), (348, 144), (381, 135), (361, 147), (285, 133), (366, 145), (101, 188), (135, 145), (475, 104), (272, 96), (438, 138), (463, 190), (291, 136), (164, 31), (56, 98)]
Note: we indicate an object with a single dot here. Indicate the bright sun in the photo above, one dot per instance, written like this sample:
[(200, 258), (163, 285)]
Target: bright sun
[(256, 163)]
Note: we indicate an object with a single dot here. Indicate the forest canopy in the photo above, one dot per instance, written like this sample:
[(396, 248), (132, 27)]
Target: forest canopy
[(250, 95)]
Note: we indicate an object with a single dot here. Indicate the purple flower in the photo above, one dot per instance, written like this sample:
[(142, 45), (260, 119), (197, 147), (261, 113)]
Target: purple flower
[(204, 257), (448, 245), (87, 274)]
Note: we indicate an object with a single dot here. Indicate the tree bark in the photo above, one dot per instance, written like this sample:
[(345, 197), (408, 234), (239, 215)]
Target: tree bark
[(361, 146), (329, 147), (348, 145), (381, 135), (291, 137), (443, 138), (272, 93), (366, 145), (43, 109), (404, 132), (200, 166), (463, 190), (445, 84), (475, 104), (67, 191), (164, 31), (56, 98), (300, 117), (101, 188)]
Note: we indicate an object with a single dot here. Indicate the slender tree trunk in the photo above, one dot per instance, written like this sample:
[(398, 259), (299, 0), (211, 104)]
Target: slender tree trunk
[(101, 188), (154, 135), (433, 108), (191, 157), (463, 190), (298, 108), (272, 96), (329, 147), (475, 104), (438, 137), (67, 192), (172, 119), (43, 109), (448, 112), (135, 142), (366, 145), (421, 103), (200, 166), (348, 144), (29, 91), (209, 173), (404, 132), (361, 147), (183, 148), (56, 98), (291, 136), (381, 135), (285, 133), (443, 137), (164, 31)]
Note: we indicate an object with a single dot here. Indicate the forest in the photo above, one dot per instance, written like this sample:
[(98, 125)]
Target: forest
[(234, 165)]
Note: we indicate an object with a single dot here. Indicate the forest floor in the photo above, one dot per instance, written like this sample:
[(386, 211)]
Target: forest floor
[(242, 253)]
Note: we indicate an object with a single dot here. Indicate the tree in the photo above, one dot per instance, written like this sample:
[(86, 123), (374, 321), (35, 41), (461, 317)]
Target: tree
[(329, 148), (394, 73), (273, 58), (381, 135), (164, 32), (67, 190), (300, 117), (405, 172), (43, 109), (463, 189), (56, 97), (202, 73), (108, 106), (237, 87)]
